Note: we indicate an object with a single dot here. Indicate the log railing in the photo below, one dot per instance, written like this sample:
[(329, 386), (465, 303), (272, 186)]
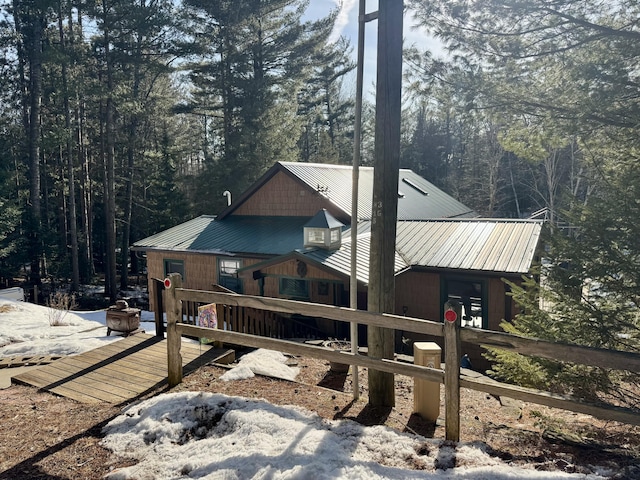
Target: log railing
[(451, 331)]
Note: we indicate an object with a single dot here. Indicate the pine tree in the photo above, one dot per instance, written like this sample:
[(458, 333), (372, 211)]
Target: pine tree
[(249, 80), (327, 132), (12, 256), (564, 76)]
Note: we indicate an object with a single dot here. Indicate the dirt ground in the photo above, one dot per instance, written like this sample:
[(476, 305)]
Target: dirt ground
[(43, 436)]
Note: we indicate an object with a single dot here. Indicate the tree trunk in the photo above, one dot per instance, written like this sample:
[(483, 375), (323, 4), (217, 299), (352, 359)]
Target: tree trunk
[(86, 248), (85, 195), (131, 155), (73, 230), (110, 203), (111, 288), (513, 187), (126, 221), (34, 51)]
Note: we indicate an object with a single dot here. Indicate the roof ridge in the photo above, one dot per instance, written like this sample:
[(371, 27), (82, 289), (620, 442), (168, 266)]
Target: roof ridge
[(322, 165), (474, 219)]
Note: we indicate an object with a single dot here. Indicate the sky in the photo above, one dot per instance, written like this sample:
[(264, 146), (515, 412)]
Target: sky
[(213, 436), (347, 25)]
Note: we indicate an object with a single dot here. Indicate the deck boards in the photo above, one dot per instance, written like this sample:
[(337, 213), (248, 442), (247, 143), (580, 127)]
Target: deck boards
[(117, 372)]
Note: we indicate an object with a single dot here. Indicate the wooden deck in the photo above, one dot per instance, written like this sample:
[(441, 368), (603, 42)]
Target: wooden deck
[(118, 372)]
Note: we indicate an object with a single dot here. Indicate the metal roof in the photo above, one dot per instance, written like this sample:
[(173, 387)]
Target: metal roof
[(235, 235), (175, 238), (491, 245), (340, 260), (482, 245), (324, 219), (418, 199)]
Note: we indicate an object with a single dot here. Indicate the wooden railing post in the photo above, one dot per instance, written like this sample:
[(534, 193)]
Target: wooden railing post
[(158, 287), (452, 349), (174, 315)]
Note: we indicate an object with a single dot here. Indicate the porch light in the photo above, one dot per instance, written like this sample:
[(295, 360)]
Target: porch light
[(323, 231)]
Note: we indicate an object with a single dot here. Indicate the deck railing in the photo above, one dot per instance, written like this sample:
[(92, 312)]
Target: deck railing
[(452, 333)]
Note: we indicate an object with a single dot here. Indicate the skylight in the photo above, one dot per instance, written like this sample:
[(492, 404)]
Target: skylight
[(415, 187)]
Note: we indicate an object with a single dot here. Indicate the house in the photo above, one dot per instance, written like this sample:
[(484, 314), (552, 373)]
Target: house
[(270, 242), (268, 220)]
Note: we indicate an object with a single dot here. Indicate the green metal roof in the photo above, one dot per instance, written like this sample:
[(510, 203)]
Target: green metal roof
[(481, 245), (235, 235), (489, 245), (418, 199), (340, 260), (324, 219)]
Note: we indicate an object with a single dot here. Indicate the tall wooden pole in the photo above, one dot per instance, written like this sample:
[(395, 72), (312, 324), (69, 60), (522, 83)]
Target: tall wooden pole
[(357, 140), (385, 194)]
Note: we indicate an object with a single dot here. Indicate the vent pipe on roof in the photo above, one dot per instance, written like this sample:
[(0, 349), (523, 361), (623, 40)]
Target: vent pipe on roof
[(227, 194)]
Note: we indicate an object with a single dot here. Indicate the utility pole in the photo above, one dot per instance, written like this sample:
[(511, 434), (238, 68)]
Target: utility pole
[(357, 141), (385, 194)]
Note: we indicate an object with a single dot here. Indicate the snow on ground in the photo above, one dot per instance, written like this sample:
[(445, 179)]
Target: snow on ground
[(261, 362), (212, 436), (26, 329)]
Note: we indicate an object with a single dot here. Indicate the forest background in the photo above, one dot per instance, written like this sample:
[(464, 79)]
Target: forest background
[(121, 118)]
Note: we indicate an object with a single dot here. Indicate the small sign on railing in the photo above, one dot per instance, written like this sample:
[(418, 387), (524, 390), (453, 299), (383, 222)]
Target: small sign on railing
[(207, 317)]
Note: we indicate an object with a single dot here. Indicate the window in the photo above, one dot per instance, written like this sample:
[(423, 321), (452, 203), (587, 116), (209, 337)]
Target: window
[(294, 288), (335, 235), (228, 273), (316, 236), (173, 266)]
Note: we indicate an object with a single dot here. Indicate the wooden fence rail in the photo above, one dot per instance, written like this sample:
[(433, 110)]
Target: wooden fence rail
[(450, 331)]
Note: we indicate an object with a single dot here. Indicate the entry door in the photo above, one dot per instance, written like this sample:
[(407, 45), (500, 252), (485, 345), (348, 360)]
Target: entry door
[(472, 295)]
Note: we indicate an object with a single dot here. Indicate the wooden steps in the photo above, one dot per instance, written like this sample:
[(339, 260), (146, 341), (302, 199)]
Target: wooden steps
[(27, 360), (118, 372)]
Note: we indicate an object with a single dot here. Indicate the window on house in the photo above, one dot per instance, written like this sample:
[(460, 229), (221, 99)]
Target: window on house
[(173, 266), (228, 273), (472, 297), (294, 288), (316, 235)]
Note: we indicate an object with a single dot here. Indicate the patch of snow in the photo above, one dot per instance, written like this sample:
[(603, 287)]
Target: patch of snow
[(262, 362), (25, 329), (240, 372), (213, 436)]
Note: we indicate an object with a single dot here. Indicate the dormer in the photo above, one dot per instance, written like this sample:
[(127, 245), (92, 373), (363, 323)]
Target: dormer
[(323, 231)]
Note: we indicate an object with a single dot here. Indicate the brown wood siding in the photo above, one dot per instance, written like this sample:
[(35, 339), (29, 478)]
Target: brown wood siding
[(200, 271), (290, 269), (249, 285), (328, 295), (496, 307), (155, 267), (419, 292), (283, 196)]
